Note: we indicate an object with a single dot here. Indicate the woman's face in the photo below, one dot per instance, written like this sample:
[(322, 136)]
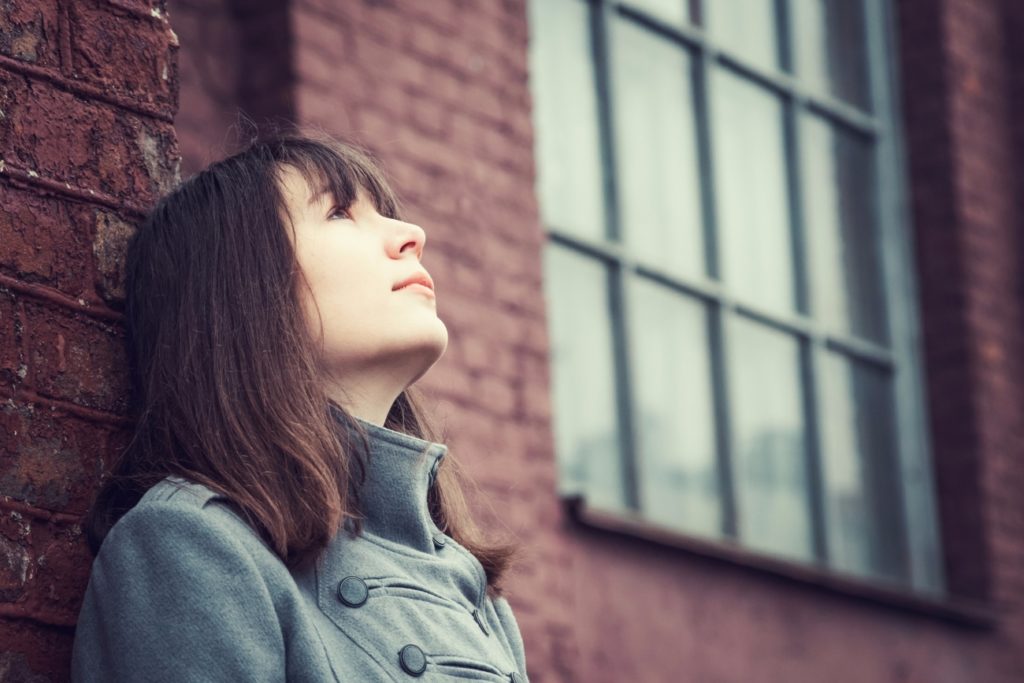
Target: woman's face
[(376, 339)]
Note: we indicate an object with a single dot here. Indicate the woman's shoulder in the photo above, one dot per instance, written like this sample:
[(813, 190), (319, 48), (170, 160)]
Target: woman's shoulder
[(176, 512), (179, 573), (184, 492)]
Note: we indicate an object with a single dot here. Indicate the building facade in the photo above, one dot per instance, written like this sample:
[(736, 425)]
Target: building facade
[(733, 292)]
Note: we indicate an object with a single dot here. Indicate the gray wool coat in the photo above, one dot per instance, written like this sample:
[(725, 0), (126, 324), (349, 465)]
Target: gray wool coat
[(183, 590)]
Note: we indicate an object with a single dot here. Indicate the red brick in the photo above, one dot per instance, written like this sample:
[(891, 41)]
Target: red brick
[(117, 153), (110, 242), (331, 12), (478, 353), (37, 244), (13, 367), (15, 565), (128, 54), (75, 358), (44, 565), (34, 651), (427, 42), (495, 395), (28, 32), (62, 561), (49, 458)]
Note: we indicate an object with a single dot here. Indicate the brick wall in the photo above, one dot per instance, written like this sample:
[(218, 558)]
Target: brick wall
[(237, 57), (963, 99), (87, 95)]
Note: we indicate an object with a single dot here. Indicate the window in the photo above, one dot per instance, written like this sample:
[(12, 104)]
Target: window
[(728, 276)]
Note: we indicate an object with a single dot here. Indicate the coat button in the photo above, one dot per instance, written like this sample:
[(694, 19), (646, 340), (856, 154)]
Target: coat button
[(514, 677), (352, 591), (439, 540), (412, 660), (481, 622)]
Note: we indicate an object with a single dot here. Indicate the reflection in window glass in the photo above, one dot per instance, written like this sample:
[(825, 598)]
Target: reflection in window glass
[(746, 28), (773, 511), (753, 209), (676, 434), (861, 471), (659, 180), (830, 48), (582, 361), (669, 11), (842, 236), (565, 118)]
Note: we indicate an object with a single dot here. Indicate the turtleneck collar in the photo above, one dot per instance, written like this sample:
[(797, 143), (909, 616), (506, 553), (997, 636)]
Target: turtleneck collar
[(400, 471)]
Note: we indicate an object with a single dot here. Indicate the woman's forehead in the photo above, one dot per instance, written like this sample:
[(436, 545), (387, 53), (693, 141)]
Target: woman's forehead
[(315, 189)]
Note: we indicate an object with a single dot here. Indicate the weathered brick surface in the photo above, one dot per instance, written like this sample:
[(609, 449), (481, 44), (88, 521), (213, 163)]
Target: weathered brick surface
[(28, 32), (59, 135), (45, 575), (13, 367), (37, 246), (87, 96), (33, 653), (75, 359), (52, 458), (125, 48)]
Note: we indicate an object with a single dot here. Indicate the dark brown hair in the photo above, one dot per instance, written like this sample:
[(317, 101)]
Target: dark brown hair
[(224, 375)]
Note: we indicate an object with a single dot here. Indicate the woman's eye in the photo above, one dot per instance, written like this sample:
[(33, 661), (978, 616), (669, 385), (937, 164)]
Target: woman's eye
[(339, 211)]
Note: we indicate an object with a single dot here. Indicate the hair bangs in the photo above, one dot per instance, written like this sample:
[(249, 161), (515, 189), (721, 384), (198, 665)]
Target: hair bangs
[(328, 168)]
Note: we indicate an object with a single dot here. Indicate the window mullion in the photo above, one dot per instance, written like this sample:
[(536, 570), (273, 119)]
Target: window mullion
[(704, 61), (601, 18), (812, 346)]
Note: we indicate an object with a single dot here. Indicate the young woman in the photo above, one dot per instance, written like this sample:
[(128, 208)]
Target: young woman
[(283, 512)]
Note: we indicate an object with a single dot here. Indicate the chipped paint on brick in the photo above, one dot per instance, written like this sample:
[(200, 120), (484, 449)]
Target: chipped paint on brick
[(163, 171), (14, 569), (108, 248)]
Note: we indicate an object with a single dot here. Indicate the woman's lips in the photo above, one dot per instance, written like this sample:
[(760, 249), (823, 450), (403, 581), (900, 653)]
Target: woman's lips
[(419, 288)]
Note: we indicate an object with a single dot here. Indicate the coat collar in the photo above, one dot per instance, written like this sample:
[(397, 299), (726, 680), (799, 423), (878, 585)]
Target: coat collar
[(400, 471)]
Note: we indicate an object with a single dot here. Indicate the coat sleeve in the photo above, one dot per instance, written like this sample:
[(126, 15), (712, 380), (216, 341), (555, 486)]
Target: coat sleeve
[(174, 595)]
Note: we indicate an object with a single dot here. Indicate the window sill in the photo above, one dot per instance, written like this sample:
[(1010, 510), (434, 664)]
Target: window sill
[(958, 610)]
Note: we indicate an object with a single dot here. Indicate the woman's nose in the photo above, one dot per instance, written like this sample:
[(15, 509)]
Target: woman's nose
[(410, 235)]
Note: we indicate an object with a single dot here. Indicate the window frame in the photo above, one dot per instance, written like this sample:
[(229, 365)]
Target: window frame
[(904, 352)]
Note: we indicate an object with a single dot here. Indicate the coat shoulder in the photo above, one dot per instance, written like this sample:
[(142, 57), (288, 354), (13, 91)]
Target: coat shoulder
[(178, 492), (175, 500), (166, 581), (181, 491)]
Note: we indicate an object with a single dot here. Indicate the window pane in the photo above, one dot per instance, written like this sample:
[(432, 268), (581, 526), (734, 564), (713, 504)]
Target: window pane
[(670, 11), (569, 166), (659, 180), (676, 435), (769, 464), (745, 27), (752, 204), (841, 222), (831, 49), (861, 471), (586, 418)]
